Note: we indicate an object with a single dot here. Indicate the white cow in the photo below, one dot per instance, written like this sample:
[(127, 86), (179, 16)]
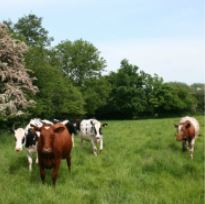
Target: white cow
[(91, 130), (25, 137)]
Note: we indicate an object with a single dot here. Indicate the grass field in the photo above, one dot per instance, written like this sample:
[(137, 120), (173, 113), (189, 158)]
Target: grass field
[(141, 163)]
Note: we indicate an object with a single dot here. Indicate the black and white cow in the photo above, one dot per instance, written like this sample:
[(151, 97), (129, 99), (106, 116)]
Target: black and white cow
[(27, 137), (91, 129), (70, 126)]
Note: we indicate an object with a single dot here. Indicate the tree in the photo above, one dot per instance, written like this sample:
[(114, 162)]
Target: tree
[(57, 98), (135, 93), (15, 83), (29, 29), (154, 93), (127, 98), (95, 93), (79, 60), (182, 100), (199, 93)]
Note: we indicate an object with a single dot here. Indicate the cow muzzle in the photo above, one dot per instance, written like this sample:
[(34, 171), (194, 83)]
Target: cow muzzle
[(46, 150), (179, 138), (97, 140), (18, 149)]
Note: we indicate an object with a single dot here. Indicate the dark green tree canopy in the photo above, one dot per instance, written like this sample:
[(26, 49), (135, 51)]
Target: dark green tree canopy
[(135, 93), (199, 91), (79, 60), (127, 97), (29, 29), (182, 100), (95, 93), (57, 97)]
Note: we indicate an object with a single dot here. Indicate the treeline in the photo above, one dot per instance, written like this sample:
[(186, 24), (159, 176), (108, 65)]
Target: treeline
[(70, 80)]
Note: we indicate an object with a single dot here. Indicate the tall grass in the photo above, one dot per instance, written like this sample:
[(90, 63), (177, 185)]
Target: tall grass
[(141, 163)]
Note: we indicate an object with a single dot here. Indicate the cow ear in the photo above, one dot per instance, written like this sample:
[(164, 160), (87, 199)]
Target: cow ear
[(104, 124), (37, 138), (59, 129), (35, 127)]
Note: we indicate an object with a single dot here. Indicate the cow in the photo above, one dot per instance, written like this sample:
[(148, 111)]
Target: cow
[(19, 135), (54, 144), (26, 137), (187, 133), (91, 129), (70, 126)]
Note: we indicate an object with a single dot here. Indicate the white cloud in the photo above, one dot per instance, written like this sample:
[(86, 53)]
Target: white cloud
[(174, 60)]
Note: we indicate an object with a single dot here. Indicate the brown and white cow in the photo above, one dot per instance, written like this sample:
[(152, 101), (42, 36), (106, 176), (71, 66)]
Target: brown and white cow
[(187, 132), (55, 143)]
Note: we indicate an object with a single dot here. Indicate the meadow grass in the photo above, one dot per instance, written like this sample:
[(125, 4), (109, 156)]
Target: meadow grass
[(141, 163)]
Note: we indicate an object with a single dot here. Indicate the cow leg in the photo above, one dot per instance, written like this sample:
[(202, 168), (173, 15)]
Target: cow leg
[(68, 159), (94, 147), (101, 144), (81, 140), (36, 158), (73, 139), (42, 173), (30, 161), (55, 171), (191, 147), (184, 145)]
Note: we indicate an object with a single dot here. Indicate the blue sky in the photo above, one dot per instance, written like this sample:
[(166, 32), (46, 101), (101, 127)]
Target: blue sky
[(160, 36)]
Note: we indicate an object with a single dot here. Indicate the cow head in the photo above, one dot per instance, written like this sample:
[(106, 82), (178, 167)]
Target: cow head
[(47, 136), (184, 130), (31, 137), (19, 135), (76, 125), (96, 129)]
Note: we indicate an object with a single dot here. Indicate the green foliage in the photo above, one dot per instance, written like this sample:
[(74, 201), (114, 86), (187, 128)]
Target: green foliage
[(29, 29), (127, 94), (141, 163), (79, 60), (135, 93), (95, 93), (182, 99), (57, 97), (198, 92)]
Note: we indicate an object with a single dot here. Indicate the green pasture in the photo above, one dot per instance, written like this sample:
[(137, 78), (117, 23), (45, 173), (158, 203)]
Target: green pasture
[(141, 163)]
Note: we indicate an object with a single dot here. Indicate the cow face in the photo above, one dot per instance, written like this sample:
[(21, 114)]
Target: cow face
[(46, 139), (47, 136), (183, 131), (19, 135), (96, 129)]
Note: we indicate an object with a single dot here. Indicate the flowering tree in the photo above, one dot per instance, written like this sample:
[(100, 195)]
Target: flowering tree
[(15, 83)]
